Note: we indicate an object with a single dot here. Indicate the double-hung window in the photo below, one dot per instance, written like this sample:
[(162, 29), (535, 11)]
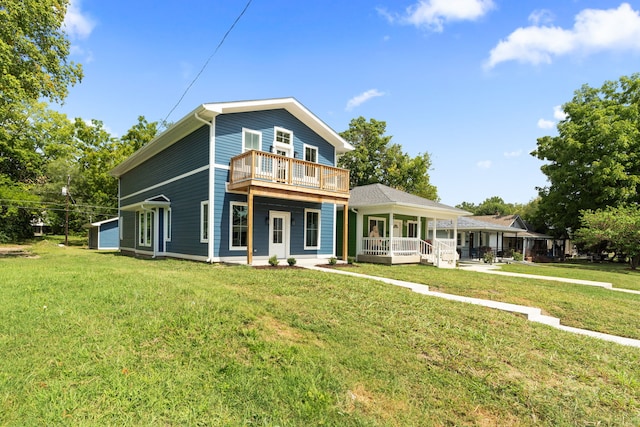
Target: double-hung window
[(311, 229), (311, 155), (239, 226), (251, 140)]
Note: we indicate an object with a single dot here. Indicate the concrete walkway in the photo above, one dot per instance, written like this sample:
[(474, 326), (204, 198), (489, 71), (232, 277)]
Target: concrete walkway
[(495, 269), (533, 314)]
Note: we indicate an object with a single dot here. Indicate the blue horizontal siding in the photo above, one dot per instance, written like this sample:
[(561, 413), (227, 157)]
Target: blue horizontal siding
[(186, 155), (185, 196), (229, 134)]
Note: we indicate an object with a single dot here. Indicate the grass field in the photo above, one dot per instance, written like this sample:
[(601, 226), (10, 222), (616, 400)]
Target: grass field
[(579, 306), (91, 338)]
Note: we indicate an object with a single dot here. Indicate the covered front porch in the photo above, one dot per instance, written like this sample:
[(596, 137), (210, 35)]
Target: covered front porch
[(390, 226)]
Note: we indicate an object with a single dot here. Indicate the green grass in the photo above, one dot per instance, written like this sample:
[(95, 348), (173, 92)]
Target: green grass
[(88, 338), (619, 274), (580, 306)]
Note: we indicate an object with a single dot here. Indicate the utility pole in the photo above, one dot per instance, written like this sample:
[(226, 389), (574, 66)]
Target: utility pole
[(65, 192)]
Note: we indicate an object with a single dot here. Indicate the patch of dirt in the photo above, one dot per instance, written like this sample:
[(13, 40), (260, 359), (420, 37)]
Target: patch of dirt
[(16, 251), (277, 267), (338, 266)]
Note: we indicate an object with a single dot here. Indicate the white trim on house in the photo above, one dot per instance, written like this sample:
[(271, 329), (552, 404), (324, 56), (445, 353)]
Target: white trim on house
[(204, 238), (167, 224), (231, 205), (319, 236), (282, 146), (168, 181), (244, 141)]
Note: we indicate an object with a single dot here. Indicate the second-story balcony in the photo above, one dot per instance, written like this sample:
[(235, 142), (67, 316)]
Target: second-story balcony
[(280, 176)]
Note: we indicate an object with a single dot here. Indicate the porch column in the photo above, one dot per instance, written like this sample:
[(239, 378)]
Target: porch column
[(249, 227), (390, 233), (345, 232), (455, 229), (359, 225), (434, 231)]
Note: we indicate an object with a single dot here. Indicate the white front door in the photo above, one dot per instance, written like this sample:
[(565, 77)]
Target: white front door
[(279, 234), (397, 228)]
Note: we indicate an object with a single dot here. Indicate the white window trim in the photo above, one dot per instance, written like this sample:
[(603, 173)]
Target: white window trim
[(319, 228), (280, 145), (254, 132), (231, 247), (304, 152), (377, 218), (167, 224), (144, 239), (202, 218), (416, 225)]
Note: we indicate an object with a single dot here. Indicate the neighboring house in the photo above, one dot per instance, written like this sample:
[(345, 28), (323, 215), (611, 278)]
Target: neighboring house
[(104, 234), (390, 226), (502, 234), (234, 181)]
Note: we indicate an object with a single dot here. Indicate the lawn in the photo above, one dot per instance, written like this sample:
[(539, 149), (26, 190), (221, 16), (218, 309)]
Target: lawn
[(619, 274), (580, 306), (91, 338)]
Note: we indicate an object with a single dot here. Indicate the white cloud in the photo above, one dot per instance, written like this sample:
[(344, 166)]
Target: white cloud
[(484, 164), (558, 113), (362, 98), (594, 30), (513, 153), (541, 16), (76, 23), (433, 14), (546, 124)]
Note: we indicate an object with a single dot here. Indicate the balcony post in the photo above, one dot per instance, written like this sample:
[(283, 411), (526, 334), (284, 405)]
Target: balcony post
[(249, 227), (253, 164)]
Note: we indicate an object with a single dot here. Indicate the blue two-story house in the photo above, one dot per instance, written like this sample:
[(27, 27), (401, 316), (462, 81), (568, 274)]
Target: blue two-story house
[(235, 181)]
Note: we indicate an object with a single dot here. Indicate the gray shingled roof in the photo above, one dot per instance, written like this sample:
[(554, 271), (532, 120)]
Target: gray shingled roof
[(380, 195)]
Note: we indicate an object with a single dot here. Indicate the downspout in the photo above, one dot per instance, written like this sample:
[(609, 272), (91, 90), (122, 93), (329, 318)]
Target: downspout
[(212, 173)]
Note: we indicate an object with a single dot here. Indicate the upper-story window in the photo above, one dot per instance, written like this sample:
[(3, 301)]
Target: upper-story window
[(251, 140), (283, 142), (283, 136)]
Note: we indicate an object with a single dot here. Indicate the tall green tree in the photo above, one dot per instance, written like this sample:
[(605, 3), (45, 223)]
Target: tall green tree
[(617, 227), (33, 59), (594, 162), (34, 65), (376, 160)]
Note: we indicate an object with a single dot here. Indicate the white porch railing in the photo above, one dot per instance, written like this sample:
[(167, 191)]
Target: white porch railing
[(441, 253)]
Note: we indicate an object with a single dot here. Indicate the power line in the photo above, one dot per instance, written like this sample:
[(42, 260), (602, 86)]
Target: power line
[(37, 202), (208, 59)]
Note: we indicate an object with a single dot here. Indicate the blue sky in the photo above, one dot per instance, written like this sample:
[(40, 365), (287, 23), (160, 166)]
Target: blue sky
[(472, 82)]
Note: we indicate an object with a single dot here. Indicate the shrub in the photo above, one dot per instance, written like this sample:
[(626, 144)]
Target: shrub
[(488, 257), (351, 260), (517, 256), (291, 261), (273, 261), (333, 260)]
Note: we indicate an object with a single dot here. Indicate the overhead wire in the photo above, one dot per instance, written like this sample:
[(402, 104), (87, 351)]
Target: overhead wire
[(208, 60)]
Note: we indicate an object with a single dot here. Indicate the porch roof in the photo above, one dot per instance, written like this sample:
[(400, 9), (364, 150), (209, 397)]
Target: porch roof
[(383, 197), (473, 224)]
